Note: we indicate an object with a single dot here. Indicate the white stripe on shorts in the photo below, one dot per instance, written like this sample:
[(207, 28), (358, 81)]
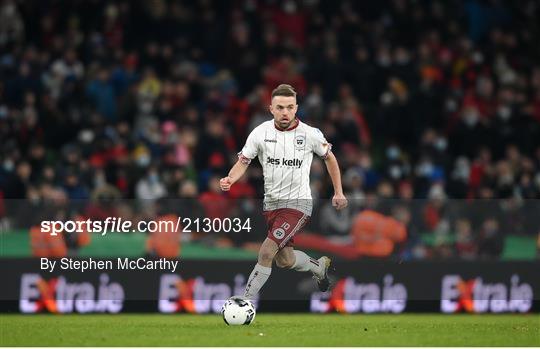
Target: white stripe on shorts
[(293, 232)]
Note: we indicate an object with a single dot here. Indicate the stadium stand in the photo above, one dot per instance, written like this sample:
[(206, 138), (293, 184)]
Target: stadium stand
[(132, 103)]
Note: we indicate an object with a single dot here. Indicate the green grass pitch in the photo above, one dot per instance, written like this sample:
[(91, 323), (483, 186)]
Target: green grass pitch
[(271, 330)]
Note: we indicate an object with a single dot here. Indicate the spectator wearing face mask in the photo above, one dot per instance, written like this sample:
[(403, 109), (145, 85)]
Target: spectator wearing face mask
[(150, 188)]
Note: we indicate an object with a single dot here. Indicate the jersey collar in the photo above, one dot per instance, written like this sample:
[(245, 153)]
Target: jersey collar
[(290, 128)]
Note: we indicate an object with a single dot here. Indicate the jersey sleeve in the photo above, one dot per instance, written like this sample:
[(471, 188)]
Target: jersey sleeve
[(320, 145), (250, 149)]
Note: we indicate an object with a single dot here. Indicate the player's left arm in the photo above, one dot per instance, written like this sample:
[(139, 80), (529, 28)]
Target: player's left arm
[(339, 201)]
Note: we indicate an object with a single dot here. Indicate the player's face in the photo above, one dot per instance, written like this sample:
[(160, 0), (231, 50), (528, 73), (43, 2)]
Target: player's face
[(284, 111)]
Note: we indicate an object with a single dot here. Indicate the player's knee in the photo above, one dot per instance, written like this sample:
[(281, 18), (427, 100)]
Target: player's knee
[(266, 256), (285, 263)]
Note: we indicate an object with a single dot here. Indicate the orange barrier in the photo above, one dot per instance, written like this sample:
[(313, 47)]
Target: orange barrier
[(374, 234), (165, 242), (46, 245)]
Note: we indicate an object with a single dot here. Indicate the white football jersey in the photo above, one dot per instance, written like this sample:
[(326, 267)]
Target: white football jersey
[(286, 158)]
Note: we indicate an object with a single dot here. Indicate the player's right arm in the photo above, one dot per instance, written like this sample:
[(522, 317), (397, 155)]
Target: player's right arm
[(236, 172), (249, 152)]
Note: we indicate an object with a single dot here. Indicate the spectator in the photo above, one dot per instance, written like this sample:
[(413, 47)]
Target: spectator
[(491, 240), (150, 187), (415, 106), (465, 245)]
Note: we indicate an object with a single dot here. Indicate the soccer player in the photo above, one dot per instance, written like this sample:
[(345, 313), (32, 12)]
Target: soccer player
[(285, 147)]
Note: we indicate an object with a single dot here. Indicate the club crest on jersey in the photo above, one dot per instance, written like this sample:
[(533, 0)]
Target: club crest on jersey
[(300, 142), (279, 233)]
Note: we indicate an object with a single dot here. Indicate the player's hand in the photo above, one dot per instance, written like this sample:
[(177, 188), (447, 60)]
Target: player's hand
[(339, 201), (225, 183)]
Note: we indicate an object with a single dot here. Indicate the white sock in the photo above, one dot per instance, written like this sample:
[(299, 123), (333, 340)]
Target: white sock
[(256, 280), (304, 262)]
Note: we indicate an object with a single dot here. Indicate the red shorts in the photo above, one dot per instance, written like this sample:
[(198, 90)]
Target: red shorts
[(283, 224)]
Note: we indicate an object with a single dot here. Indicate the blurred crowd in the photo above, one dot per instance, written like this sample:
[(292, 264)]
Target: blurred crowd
[(432, 107)]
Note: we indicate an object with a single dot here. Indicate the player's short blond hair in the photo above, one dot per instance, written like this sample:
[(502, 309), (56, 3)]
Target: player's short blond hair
[(284, 90)]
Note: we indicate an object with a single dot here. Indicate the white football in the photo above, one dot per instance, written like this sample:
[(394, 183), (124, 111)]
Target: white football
[(237, 311)]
